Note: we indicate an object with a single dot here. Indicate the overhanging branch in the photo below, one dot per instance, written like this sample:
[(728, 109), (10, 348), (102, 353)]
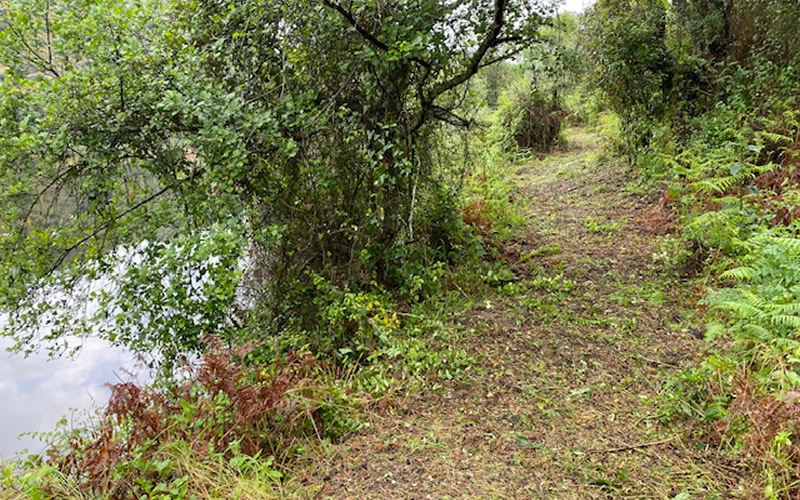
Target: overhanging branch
[(492, 39), (106, 224), (369, 37), (450, 117), (348, 16)]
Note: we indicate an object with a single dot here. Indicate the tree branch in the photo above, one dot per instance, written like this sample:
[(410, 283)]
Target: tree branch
[(348, 16), (503, 57), (45, 65), (448, 116), (102, 227), (492, 39), (47, 30), (507, 39)]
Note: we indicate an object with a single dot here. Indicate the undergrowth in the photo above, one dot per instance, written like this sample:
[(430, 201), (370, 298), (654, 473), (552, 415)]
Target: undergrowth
[(734, 190), (232, 425), (706, 95)]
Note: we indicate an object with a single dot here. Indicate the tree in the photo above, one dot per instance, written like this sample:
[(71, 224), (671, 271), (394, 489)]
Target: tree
[(630, 63), (179, 134)]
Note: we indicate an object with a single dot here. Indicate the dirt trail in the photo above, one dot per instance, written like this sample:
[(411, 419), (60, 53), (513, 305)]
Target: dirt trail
[(562, 403)]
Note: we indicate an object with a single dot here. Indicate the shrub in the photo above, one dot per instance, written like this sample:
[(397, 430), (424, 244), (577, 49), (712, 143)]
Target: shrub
[(529, 122), (310, 126), (630, 63), (707, 97)]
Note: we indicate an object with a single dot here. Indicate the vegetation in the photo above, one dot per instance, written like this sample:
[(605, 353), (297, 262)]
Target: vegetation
[(707, 93), (183, 134), (307, 216), (281, 180)]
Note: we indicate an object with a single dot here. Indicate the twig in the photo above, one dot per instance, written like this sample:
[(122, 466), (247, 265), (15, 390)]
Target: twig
[(105, 225), (573, 188), (460, 290), (636, 446)]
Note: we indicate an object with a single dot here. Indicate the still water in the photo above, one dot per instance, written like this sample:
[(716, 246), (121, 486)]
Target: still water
[(35, 392)]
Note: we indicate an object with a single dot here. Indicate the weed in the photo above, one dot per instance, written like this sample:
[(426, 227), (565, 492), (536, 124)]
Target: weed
[(221, 417), (594, 225)]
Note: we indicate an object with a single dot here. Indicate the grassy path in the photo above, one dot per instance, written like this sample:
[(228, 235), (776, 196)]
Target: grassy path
[(562, 405)]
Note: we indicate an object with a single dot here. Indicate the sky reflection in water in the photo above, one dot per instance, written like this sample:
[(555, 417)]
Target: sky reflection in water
[(36, 391)]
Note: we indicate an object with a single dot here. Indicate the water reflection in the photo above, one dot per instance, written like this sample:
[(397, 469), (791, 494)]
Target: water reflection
[(37, 391)]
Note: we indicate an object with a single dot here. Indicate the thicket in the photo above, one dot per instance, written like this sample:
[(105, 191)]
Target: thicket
[(278, 205), (708, 95), (183, 134)]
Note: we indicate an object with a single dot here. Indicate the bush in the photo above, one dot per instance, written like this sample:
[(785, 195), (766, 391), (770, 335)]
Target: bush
[(707, 96), (309, 127), (530, 123), (630, 63)]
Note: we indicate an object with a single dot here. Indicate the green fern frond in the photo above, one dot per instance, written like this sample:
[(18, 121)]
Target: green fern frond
[(785, 320), (754, 300), (790, 244), (757, 331), (743, 273), (744, 246), (716, 185), (763, 169), (711, 219), (790, 309), (743, 309), (775, 137), (671, 161)]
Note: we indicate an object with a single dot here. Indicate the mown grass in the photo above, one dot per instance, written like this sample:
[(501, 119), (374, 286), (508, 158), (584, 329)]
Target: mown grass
[(570, 358)]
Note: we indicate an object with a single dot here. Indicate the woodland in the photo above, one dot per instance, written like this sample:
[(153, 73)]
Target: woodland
[(409, 248)]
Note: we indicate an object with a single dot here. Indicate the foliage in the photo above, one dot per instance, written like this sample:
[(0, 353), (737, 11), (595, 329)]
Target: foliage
[(530, 122), (555, 64), (368, 344), (222, 416), (763, 309), (529, 112), (735, 187), (714, 123), (308, 127), (299, 193), (630, 62), (175, 473)]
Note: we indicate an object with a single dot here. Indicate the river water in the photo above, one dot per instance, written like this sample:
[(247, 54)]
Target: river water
[(36, 391)]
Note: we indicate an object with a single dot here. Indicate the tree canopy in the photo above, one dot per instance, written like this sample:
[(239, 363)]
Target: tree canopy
[(182, 134)]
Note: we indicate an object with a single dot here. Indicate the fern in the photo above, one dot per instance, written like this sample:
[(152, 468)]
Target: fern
[(775, 137), (762, 311), (715, 185), (793, 309), (718, 229), (743, 273), (757, 331), (708, 219), (743, 309), (754, 300), (790, 244), (783, 320)]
